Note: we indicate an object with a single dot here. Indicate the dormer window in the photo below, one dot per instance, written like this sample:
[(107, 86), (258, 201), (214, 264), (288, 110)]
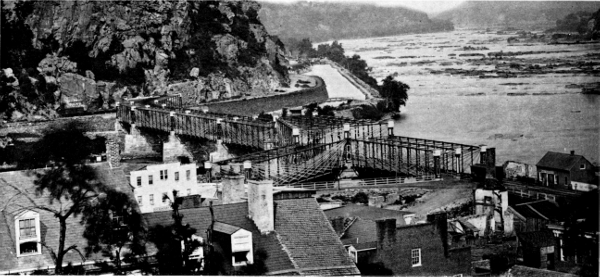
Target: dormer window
[(27, 227)]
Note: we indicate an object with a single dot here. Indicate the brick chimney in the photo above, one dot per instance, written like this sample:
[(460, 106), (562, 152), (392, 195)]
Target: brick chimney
[(386, 232), (260, 205), (572, 152), (440, 223), (233, 188)]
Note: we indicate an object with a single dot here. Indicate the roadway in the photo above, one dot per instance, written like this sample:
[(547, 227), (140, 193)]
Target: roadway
[(337, 85)]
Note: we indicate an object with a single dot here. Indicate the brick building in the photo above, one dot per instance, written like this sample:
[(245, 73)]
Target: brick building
[(566, 171), (374, 235)]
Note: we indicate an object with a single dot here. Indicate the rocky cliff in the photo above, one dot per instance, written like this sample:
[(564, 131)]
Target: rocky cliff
[(88, 54)]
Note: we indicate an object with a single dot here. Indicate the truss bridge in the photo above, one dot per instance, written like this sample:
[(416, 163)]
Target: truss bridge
[(296, 149)]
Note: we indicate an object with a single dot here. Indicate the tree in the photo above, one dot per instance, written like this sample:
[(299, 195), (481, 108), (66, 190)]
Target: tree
[(64, 148), (175, 243), (580, 238), (394, 92), (116, 230)]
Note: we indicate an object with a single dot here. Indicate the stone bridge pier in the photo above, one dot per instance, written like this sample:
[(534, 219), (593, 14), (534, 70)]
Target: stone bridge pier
[(143, 142)]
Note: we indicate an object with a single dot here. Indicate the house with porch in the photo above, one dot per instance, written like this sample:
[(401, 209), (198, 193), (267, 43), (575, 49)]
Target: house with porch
[(566, 171)]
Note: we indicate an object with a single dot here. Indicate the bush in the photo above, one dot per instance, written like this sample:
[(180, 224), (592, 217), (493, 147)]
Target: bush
[(367, 112), (360, 197)]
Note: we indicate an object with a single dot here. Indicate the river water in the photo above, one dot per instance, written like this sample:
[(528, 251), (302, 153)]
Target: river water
[(523, 116)]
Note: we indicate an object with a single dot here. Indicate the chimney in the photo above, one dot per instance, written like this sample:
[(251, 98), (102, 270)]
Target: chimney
[(233, 188), (572, 152), (440, 223), (260, 205), (386, 232)]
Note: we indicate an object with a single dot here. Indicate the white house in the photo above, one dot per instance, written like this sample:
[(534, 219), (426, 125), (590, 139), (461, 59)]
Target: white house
[(153, 182)]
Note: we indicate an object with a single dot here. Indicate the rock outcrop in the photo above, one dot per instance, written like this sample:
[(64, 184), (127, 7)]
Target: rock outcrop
[(94, 52)]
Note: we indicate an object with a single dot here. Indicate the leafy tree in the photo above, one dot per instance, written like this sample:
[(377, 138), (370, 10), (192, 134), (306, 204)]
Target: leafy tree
[(394, 92), (116, 230), (63, 149), (171, 239)]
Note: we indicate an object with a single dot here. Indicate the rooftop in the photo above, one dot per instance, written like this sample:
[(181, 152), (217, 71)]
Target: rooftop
[(303, 241), (559, 160)]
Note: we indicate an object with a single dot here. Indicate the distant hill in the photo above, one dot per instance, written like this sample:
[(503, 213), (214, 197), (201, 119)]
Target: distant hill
[(329, 21), (532, 15)]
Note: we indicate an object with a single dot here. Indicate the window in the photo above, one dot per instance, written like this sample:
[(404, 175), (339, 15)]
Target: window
[(150, 180), (28, 234), (164, 197), (139, 181), (177, 176), (151, 199), (189, 191), (139, 200), (27, 228), (240, 258), (582, 166), (188, 174), (415, 255), (163, 175)]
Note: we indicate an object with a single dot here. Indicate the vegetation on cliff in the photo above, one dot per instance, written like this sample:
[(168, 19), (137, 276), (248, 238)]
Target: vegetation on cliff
[(204, 49), (326, 21), (539, 15), (585, 23)]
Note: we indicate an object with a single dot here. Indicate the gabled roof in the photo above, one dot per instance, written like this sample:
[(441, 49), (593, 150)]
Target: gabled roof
[(14, 198), (542, 238), (559, 160), (303, 241)]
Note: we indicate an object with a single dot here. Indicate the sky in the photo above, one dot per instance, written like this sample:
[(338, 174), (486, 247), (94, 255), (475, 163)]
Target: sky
[(428, 6)]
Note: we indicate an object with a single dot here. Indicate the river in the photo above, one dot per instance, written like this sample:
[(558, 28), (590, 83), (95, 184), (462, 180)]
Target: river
[(522, 115)]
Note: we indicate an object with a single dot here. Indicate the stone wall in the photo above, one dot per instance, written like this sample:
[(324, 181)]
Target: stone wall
[(512, 170)]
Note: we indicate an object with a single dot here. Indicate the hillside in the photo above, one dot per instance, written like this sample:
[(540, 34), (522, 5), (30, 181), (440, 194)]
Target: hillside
[(532, 15), (88, 54), (321, 21)]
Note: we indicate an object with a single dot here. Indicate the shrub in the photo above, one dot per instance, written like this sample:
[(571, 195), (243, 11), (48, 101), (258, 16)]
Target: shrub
[(360, 197), (367, 112)]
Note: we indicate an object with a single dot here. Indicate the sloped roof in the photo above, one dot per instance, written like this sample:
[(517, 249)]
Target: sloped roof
[(14, 199), (559, 160), (363, 229), (523, 271), (540, 209), (367, 213), (225, 228), (303, 238), (542, 238)]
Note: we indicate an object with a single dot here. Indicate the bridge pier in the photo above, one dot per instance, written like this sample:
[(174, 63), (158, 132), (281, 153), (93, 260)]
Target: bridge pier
[(136, 143), (173, 149)]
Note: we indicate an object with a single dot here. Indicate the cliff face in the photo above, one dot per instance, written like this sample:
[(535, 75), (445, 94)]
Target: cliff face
[(330, 21), (206, 50)]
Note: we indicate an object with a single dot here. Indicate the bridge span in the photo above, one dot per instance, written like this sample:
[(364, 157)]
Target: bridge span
[(297, 149)]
